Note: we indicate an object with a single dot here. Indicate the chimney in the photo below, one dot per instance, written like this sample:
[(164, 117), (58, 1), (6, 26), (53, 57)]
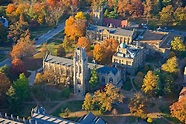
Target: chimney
[(12, 117), (18, 118), (6, 116)]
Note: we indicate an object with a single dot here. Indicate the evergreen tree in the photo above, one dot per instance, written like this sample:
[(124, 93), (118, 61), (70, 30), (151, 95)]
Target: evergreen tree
[(94, 77)]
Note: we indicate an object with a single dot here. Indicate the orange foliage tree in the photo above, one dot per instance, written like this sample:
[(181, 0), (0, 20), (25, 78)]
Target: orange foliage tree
[(83, 42), (17, 67), (23, 48), (10, 8), (103, 52), (178, 109), (74, 28)]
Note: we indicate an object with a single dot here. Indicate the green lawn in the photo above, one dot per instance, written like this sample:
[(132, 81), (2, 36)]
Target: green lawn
[(72, 106)]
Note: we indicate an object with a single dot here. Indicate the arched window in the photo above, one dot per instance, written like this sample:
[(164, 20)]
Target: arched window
[(103, 79), (110, 79)]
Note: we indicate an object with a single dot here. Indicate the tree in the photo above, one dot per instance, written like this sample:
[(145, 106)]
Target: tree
[(17, 67), (78, 27), (180, 15), (39, 79), (5, 69), (67, 44), (24, 48), (169, 85), (106, 13), (150, 82), (138, 105), (124, 7), (88, 103), (178, 109), (147, 9), (14, 102), (94, 77), (61, 51), (103, 52), (4, 86), (178, 45), (106, 98), (80, 15), (137, 8), (83, 42), (166, 15), (10, 8), (18, 30), (21, 87), (170, 66)]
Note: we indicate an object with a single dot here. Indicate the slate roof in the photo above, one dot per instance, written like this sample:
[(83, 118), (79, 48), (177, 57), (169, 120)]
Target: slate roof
[(91, 119), (107, 70), (65, 61), (46, 119), (8, 121), (116, 31)]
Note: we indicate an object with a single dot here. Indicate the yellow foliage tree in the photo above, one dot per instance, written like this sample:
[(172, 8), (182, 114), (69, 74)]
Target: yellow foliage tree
[(150, 82), (80, 15)]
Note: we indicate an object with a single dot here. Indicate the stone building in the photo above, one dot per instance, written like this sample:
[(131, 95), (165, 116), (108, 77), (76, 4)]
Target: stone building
[(77, 71), (101, 33), (156, 41), (97, 15), (130, 56)]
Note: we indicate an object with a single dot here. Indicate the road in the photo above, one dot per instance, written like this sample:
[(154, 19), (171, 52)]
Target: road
[(41, 40), (49, 34)]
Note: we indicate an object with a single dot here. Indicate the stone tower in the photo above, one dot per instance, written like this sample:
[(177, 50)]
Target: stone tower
[(80, 66), (97, 15)]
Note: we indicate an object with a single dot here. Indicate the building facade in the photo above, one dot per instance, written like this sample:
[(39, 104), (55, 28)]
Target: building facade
[(77, 72), (101, 33), (130, 56)]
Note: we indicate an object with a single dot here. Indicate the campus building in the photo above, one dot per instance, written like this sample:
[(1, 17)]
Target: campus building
[(77, 72), (101, 33), (130, 56)]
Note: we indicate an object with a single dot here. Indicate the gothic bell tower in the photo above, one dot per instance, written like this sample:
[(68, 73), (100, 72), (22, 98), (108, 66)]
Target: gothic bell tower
[(97, 13), (80, 66)]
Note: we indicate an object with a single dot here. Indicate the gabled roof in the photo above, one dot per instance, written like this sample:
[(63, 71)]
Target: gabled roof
[(116, 31), (91, 119), (107, 70)]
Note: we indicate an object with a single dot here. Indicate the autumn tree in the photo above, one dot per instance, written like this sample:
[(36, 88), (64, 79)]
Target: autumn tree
[(21, 87), (178, 46), (24, 48), (124, 7), (180, 15), (103, 52), (107, 97), (137, 8), (10, 8), (78, 27), (4, 86), (17, 30), (67, 44), (83, 42), (39, 79), (178, 109), (147, 9), (5, 69), (61, 51), (17, 67), (94, 77), (80, 15), (170, 66), (88, 103), (138, 105), (166, 15), (150, 83)]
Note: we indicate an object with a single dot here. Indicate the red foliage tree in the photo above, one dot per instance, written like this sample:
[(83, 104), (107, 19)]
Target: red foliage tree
[(18, 67)]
